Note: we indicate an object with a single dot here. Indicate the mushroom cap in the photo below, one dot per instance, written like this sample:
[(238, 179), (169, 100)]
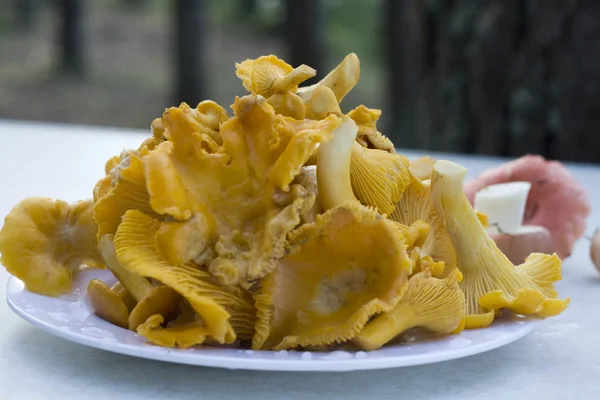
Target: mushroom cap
[(413, 235), (262, 152), (437, 305), (341, 79), (307, 179), (103, 186), (322, 103), (134, 286), (556, 201), (127, 298), (157, 138), (222, 308), (426, 263), (268, 75), (111, 163), (44, 242), (416, 205), (422, 168), (288, 104), (378, 178), (182, 241), (258, 75), (161, 300), (128, 192), (107, 303), (368, 135), (339, 271), (183, 336)]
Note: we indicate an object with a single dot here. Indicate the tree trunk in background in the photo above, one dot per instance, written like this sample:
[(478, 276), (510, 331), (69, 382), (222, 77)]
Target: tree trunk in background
[(188, 45), (403, 52), (504, 77), (135, 3), (71, 37), (304, 34), (25, 11), (248, 8)]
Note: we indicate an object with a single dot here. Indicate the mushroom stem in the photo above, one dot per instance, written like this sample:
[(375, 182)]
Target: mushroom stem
[(312, 160), (385, 327), (341, 79), (323, 102), (136, 285), (462, 223), (297, 76), (333, 165)]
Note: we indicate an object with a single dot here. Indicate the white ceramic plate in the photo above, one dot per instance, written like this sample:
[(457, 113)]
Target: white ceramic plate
[(70, 317)]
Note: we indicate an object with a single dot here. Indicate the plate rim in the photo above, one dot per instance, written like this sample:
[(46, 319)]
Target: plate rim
[(196, 358)]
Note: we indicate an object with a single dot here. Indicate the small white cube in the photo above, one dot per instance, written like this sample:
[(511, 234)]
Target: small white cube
[(504, 204)]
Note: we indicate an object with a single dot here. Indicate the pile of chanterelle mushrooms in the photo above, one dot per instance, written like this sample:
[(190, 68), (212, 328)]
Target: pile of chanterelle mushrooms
[(287, 224)]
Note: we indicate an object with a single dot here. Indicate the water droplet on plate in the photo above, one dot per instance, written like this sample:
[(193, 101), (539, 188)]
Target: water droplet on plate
[(78, 312), (60, 316), (307, 355), (337, 355), (460, 342), (109, 339), (361, 354), (249, 352), (96, 332), (69, 297)]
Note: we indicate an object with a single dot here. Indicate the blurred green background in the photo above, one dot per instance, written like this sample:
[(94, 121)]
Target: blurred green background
[(128, 77), (499, 77)]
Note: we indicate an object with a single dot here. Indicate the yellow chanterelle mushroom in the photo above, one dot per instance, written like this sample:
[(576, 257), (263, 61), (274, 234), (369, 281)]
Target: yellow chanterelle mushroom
[(140, 252), (284, 223), (277, 81), (368, 135), (107, 303), (183, 336), (340, 271), (422, 168), (377, 178), (150, 299), (341, 79), (44, 242), (347, 266), (128, 192), (435, 304), (491, 282), (262, 153), (416, 205)]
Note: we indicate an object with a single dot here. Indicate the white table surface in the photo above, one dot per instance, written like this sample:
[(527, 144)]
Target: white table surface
[(560, 360)]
